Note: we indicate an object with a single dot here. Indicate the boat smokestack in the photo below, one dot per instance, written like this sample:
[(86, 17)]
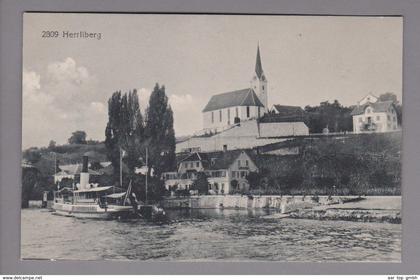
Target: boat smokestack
[(85, 164), (84, 175)]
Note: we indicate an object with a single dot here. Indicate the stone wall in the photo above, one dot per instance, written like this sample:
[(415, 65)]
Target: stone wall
[(283, 203)]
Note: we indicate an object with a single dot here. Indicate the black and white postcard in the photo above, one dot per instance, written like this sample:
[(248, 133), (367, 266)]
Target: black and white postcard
[(210, 137)]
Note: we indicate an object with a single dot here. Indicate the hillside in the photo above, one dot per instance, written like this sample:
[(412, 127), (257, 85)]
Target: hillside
[(43, 158)]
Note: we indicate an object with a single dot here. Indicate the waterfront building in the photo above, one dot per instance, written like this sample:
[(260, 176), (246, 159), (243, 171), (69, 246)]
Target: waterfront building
[(221, 169)]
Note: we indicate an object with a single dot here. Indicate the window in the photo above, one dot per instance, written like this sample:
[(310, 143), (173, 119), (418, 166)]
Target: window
[(394, 118), (368, 110), (378, 118), (247, 111), (263, 87), (259, 112), (212, 117), (220, 115), (192, 164), (239, 163), (389, 117), (228, 121), (197, 164), (246, 163), (360, 119), (237, 112)]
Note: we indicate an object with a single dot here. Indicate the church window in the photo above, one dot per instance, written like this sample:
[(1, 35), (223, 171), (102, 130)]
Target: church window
[(212, 117), (220, 115), (247, 111)]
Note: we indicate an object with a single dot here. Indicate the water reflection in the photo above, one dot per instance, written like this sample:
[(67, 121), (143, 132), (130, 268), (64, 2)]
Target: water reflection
[(208, 234)]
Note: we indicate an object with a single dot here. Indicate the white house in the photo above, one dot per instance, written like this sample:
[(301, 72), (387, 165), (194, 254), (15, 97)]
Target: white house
[(371, 115), (244, 104), (221, 169)]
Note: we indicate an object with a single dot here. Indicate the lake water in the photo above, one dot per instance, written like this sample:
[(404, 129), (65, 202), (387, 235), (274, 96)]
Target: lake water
[(208, 235)]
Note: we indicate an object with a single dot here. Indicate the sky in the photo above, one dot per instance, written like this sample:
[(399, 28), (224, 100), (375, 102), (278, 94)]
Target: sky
[(66, 82)]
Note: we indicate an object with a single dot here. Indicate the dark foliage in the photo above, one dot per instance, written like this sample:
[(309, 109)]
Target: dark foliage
[(160, 132), (201, 184), (78, 137), (333, 116)]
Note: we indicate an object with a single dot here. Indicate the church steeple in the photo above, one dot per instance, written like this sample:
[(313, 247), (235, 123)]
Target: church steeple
[(258, 67), (259, 81)]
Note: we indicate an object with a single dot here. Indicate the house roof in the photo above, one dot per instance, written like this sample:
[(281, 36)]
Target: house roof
[(74, 169), (380, 106), (194, 157), (285, 110), (216, 160), (242, 97)]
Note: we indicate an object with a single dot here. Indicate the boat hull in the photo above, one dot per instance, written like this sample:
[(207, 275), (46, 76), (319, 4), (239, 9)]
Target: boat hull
[(91, 211)]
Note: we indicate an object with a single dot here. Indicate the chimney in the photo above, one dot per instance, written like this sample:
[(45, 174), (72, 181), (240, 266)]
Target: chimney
[(84, 175), (224, 148)]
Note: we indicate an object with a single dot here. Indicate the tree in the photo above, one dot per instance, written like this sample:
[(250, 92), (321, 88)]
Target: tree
[(124, 131), (388, 96), (332, 115), (160, 132), (33, 155), (234, 184), (201, 184), (254, 179), (78, 137), (29, 180), (52, 145)]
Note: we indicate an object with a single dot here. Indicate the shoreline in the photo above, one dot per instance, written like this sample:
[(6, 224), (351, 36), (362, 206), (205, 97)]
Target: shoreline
[(378, 209), (373, 209)]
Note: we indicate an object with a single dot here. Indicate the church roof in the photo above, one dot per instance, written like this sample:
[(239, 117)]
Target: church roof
[(242, 97), (258, 65)]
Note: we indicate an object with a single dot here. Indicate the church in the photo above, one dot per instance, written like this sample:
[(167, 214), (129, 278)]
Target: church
[(225, 109)]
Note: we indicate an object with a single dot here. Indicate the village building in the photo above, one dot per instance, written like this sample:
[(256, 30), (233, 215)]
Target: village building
[(70, 171), (226, 109), (287, 111), (372, 115), (221, 169), (239, 120)]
